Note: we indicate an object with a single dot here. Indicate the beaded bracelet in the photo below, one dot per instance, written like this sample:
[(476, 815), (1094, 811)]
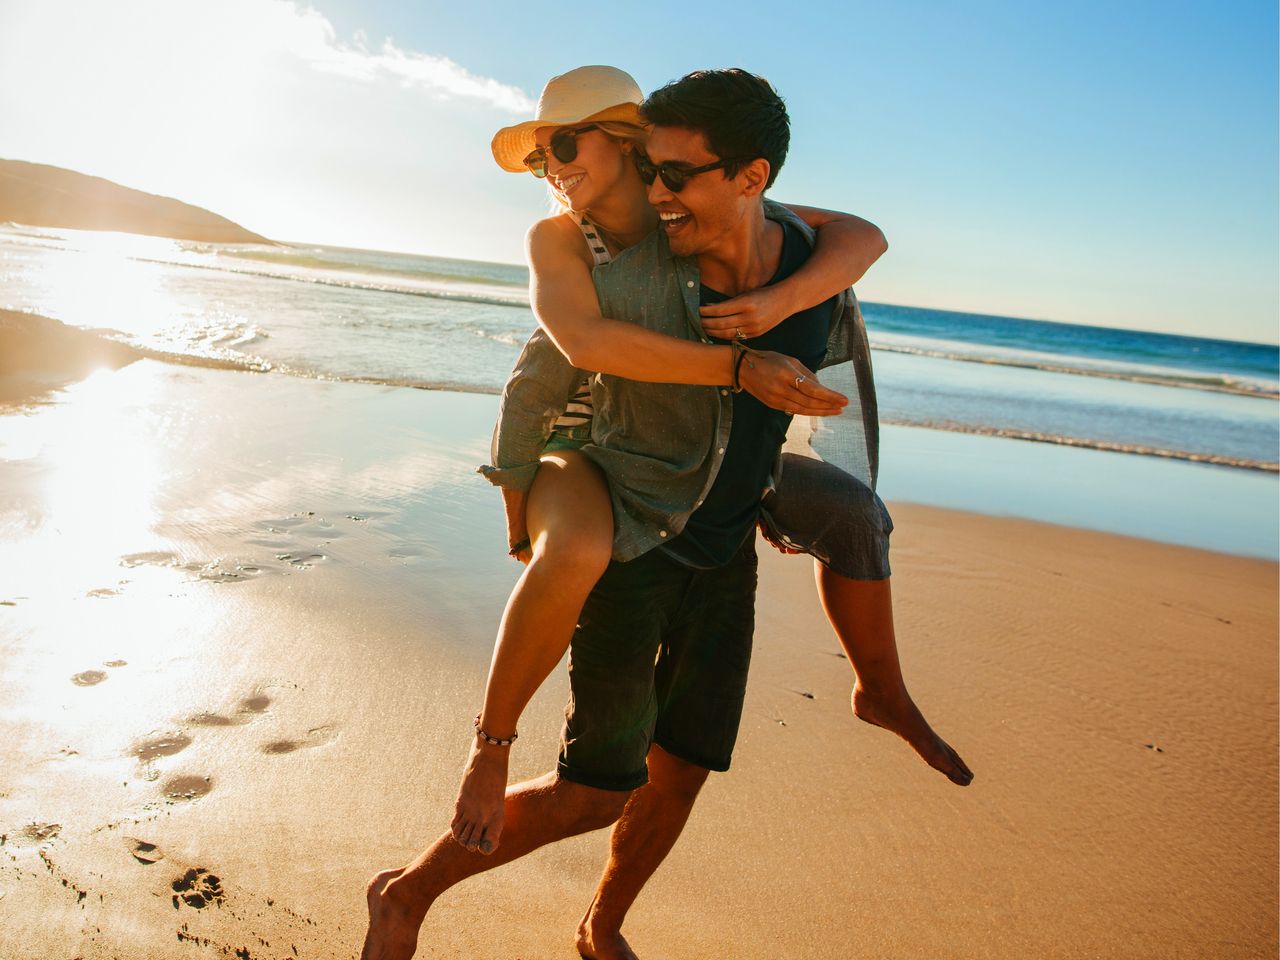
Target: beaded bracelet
[(518, 548), (494, 741)]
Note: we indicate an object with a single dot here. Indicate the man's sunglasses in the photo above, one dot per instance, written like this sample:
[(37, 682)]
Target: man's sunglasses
[(564, 146), (674, 176)]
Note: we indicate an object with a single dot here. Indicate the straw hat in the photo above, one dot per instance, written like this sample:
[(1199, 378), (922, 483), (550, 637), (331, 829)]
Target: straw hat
[(579, 96)]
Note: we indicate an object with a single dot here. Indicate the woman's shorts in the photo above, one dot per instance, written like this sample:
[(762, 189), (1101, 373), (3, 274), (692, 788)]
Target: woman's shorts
[(571, 438), (837, 519)]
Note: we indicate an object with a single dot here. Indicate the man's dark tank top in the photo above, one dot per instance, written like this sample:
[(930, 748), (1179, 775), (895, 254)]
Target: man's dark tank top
[(716, 530)]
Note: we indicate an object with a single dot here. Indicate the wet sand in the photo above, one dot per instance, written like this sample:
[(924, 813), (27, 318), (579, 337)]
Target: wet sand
[(244, 621)]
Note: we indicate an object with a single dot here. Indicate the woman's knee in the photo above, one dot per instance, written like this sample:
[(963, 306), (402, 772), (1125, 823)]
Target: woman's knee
[(571, 517), (574, 551)]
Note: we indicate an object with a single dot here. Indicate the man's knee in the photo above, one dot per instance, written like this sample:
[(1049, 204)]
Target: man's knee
[(591, 808), (677, 779)]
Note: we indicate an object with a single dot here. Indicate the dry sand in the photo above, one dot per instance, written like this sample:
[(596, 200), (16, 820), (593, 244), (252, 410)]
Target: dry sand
[(244, 627)]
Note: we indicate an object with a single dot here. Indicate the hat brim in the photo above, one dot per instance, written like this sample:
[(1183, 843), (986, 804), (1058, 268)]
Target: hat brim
[(512, 144)]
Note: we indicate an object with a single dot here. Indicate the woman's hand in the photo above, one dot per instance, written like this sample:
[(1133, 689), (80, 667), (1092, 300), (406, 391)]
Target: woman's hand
[(777, 544), (786, 384), (746, 315), (514, 503)]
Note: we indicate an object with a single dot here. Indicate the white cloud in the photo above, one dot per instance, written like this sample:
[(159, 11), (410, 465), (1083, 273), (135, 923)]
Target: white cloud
[(235, 33), (259, 111), (311, 37)]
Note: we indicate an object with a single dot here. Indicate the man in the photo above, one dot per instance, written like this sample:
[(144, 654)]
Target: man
[(659, 663)]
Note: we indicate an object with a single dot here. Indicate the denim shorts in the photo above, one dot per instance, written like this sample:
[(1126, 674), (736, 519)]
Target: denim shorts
[(830, 515), (661, 656), (568, 438)]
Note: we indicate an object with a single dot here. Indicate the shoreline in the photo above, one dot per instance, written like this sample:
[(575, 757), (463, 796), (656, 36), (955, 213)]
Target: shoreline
[(37, 346), (246, 622)]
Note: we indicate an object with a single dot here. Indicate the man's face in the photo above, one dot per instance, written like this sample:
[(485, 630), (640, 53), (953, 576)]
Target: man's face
[(701, 215)]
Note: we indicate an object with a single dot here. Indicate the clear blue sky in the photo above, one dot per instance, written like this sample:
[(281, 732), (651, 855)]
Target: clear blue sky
[(1106, 163)]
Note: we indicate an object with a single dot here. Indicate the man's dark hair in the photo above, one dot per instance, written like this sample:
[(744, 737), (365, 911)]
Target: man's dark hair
[(740, 114)]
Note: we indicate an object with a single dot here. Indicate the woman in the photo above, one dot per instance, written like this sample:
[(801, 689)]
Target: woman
[(585, 142)]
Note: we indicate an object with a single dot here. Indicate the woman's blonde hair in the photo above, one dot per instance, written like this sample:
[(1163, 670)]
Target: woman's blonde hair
[(619, 131)]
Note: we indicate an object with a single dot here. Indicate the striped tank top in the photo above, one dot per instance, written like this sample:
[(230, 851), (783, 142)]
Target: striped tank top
[(575, 423)]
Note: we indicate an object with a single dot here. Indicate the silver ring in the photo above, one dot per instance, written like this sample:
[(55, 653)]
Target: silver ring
[(738, 334), (799, 380)]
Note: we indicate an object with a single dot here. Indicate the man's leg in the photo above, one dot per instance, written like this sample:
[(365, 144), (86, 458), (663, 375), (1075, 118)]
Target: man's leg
[(700, 680), (537, 812), (643, 836)]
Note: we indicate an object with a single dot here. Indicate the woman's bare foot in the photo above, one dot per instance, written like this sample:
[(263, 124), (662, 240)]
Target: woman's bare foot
[(478, 812), (393, 930), (898, 713), (598, 940)]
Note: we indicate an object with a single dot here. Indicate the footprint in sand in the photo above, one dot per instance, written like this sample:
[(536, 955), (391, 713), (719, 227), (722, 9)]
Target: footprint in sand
[(315, 737), (301, 561), (103, 592), (162, 745), (155, 559), (197, 888), (115, 663), (223, 571), (253, 705), (153, 748), (143, 851), (88, 678), (187, 787), (41, 832)]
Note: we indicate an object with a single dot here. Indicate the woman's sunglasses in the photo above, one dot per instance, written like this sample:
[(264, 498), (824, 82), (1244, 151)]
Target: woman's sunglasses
[(674, 176), (564, 146)]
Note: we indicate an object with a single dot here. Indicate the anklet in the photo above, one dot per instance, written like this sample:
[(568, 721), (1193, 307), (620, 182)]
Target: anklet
[(494, 741)]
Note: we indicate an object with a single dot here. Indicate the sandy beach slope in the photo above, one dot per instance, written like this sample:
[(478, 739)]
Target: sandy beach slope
[(244, 621)]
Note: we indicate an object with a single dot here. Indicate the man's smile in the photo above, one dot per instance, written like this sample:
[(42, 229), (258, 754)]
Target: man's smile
[(673, 220)]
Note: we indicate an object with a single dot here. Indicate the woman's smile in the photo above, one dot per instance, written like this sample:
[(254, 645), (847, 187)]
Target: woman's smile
[(567, 185)]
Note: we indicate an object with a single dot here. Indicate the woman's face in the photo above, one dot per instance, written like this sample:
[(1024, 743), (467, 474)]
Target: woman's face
[(599, 167)]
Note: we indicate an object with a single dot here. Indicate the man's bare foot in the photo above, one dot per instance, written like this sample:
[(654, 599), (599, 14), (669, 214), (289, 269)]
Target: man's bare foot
[(899, 714), (393, 929), (598, 940), (478, 811)]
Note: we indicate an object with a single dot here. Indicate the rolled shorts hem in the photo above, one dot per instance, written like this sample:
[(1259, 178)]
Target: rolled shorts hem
[(719, 765), (603, 781)]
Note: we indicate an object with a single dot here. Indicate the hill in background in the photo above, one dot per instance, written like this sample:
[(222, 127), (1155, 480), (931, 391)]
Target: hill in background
[(40, 195)]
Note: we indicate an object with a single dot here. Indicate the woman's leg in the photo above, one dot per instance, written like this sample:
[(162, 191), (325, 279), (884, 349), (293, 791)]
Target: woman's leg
[(570, 522), (861, 612)]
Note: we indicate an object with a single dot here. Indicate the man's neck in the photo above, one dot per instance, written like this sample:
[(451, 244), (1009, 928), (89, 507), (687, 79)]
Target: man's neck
[(746, 258)]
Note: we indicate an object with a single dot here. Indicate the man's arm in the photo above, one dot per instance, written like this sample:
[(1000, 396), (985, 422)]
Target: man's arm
[(564, 300), (845, 249)]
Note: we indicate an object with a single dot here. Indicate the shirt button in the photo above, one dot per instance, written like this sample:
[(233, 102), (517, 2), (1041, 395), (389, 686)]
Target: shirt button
[(688, 283), (662, 533), (720, 451), (699, 503)]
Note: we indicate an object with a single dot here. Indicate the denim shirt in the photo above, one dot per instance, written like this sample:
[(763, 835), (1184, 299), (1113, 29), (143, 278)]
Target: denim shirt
[(661, 444)]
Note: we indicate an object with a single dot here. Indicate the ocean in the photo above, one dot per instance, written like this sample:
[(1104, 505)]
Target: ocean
[(431, 322)]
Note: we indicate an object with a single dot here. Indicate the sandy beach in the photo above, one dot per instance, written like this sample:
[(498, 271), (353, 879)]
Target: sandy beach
[(244, 622)]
